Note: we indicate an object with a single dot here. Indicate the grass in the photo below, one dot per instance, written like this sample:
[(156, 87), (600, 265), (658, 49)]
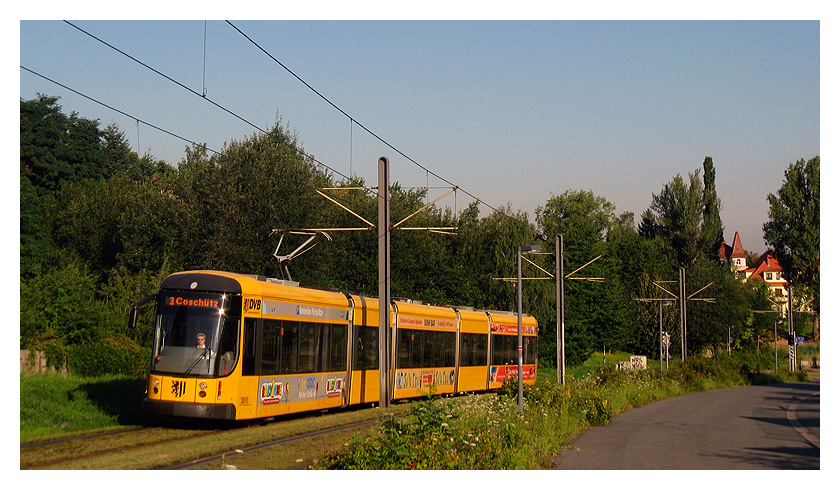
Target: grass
[(52, 405)]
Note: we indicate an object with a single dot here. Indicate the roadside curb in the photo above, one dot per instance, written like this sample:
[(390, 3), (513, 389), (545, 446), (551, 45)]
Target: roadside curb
[(794, 421)]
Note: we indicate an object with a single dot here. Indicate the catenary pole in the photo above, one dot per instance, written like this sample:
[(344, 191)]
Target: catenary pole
[(384, 234), (561, 312), (519, 324)]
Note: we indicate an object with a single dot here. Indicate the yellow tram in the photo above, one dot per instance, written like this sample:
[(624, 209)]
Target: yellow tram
[(234, 346)]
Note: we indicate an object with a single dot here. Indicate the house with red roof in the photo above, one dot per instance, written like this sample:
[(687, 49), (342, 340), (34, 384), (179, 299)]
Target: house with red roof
[(768, 269), (735, 255)]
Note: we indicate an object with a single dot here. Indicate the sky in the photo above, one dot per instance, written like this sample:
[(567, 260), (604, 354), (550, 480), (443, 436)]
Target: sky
[(512, 112)]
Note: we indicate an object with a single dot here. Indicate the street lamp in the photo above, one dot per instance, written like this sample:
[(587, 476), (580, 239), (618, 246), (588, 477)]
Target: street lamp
[(525, 249)]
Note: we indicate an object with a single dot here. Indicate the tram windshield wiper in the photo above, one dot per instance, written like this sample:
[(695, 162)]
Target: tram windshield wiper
[(205, 352)]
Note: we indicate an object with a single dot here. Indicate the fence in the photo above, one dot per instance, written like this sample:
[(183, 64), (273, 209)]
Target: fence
[(32, 362)]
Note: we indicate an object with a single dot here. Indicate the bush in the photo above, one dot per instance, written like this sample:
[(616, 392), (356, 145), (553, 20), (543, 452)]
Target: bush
[(595, 408), (116, 355)]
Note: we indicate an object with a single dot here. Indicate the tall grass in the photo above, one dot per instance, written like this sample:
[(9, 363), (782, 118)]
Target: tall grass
[(487, 432)]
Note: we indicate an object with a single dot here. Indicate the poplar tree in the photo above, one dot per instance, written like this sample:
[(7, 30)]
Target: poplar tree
[(711, 231)]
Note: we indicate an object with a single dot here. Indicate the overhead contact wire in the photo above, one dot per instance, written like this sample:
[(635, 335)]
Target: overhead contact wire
[(353, 120), (203, 97), (119, 111)]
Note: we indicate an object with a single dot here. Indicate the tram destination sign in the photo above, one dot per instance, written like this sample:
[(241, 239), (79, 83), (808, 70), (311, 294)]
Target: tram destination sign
[(212, 301)]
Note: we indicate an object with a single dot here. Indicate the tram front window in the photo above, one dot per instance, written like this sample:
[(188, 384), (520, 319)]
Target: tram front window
[(196, 334)]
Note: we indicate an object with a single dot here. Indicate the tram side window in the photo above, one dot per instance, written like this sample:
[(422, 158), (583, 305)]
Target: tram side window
[(530, 350), (309, 347), (336, 342), (366, 348), (473, 349), (289, 353), (290, 347), (504, 349), (441, 349), (404, 341), (425, 348), (249, 347), (271, 348), (445, 345)]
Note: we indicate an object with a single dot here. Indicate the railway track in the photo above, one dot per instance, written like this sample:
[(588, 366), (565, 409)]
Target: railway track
[(258, 447), (204, 445)]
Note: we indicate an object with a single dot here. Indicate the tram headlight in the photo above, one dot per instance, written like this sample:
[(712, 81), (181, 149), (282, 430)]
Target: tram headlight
[(155, 383)]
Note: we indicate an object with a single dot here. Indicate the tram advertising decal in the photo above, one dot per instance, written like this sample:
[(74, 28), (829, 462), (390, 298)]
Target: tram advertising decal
[(498, 374), (272, 391), (512, 329), (425, 378), (410, 321), (289, 389)]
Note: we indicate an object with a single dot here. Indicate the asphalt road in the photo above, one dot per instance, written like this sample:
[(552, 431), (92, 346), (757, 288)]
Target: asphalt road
[(750, 427)]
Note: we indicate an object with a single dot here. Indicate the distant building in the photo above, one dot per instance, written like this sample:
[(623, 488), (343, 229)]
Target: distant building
[(768, 270), (736, 256)]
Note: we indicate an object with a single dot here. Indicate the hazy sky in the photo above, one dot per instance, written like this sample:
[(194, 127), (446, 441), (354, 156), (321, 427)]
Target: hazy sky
[(511, 111)]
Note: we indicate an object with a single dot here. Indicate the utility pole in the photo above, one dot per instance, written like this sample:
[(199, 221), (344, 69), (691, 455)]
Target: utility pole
[(683, 327), (561, 312), (528, 249), (384, 235), (791, 331)]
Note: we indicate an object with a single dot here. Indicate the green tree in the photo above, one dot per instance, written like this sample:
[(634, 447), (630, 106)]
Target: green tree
[(491, 253), (634, 263), (711, 231), (59, 307), (678, 212), (119, 223), (55, 148), (707, 322), (584, 220), (238, 197), (793, 231)]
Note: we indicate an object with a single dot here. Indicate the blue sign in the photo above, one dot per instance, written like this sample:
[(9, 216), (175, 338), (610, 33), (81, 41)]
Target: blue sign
[(799, 340)]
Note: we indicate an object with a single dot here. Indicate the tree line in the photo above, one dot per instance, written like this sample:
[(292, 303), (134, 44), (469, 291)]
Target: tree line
[(101, 226)]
